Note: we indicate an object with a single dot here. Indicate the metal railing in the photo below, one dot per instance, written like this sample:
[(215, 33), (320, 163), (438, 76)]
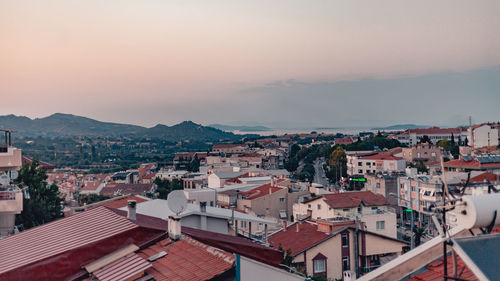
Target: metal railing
[(9, 194)]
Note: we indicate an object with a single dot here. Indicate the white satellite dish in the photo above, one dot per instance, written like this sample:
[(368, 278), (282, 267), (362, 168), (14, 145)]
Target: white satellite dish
[(176, 201)]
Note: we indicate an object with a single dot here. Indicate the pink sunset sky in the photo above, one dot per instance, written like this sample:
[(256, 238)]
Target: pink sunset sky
[(149, 62)]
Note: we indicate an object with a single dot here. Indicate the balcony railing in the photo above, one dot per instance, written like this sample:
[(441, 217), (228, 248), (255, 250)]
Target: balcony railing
[(9, 193)]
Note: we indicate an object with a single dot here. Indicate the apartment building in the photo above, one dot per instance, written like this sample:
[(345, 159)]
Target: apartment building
[(372, 209), (422, 152), (327, 248), (483, 135), (11, 197), (413, 136), (373, 163)]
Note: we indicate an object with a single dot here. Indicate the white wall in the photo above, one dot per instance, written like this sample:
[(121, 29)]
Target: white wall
[(252, 270)]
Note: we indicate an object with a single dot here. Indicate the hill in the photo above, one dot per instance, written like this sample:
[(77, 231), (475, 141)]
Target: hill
[(402, 127), (240, 128), (59, 124)]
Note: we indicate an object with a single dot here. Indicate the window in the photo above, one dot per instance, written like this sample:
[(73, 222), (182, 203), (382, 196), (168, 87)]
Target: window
[(244, 224), (360, 171), (282, 199), (345, 263), (345, 240), (345, 210), (319, 266), (433, 154), (378, 185), (380, 225), (308, 205), (319, 206), (360, 163)]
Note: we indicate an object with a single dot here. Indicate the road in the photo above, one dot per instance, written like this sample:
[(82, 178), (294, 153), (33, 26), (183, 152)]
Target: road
[(319, 175)]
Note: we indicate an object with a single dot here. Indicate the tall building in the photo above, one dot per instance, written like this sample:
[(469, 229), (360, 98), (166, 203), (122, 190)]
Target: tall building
[(11, 197)]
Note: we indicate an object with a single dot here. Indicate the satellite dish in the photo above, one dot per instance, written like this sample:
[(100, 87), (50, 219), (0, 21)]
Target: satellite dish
[(14, 175), (176, 201)]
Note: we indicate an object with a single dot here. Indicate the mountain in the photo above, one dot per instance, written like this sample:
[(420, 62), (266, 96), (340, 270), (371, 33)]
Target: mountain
[(402, 127), (60, 124), (240, 128)]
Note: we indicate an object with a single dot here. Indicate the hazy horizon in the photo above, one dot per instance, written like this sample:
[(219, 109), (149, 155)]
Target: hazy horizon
[(280, 64)]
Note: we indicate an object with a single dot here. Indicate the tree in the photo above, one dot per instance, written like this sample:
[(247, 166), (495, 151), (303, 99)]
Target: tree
[(425, 139), (165, 186), (421, 168), (43, 203)]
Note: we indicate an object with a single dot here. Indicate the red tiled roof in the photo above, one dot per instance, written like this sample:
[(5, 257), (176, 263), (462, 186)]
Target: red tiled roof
[(435, 271), (218, 146), (473, 164), (91, 186), (187, 259), (125, 188), (434, 131), (485, 177), (123, 268), (45, 165), (354, 199), (233, 244), (118, 202), (261, 191), (307, 236), (346, 140), (58, 250), (381, 156)]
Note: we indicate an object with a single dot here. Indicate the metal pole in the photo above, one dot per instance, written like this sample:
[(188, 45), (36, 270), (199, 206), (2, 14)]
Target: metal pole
[(445, 258), (356, 248), (412, 244)]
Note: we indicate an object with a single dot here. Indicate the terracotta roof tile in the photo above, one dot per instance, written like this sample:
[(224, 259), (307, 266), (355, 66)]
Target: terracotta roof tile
[(187, 259), (307, 236), (353, 199)]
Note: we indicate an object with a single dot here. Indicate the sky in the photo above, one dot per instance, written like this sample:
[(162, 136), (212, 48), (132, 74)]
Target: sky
[(278, 63)]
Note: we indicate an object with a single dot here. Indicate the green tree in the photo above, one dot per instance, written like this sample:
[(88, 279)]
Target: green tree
[(425, 139), (165, 186), (44, 202)]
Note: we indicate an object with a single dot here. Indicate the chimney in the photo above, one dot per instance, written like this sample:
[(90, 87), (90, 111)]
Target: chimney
[(272, 181), (270, 190), (174, 227), (203, 216), (203, 206), (297, 227), (131, 210), (284, 224)]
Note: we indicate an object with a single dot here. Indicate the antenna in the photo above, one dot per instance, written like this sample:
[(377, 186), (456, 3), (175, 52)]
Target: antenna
[(176, 201)]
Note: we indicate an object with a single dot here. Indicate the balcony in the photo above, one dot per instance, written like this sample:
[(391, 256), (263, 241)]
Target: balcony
[(11, 199), (10, 158)]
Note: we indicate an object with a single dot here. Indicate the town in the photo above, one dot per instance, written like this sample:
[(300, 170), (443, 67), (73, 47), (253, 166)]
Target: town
[(289, 207)]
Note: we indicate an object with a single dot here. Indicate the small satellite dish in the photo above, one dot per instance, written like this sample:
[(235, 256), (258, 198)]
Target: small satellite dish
[(14, 175), (176, 201)]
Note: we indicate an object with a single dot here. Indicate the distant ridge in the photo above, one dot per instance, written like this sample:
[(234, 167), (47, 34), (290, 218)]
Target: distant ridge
[(240, 128), (402, 127), (60, 124)]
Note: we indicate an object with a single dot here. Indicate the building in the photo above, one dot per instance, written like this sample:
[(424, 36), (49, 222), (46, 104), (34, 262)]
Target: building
[(273, 201), (372, 209), (488, 162), (118, 189), (11, 197), (327, 248), (383, 184), (203, 217), (422, 152), (218, 179), (110, 244), (372, 163), (483, 135), (413, 136), (230, 148)]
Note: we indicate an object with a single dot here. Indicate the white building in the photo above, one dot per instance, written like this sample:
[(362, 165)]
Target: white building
[(413, 136), (362, 164), (483, 135), (372, 209)]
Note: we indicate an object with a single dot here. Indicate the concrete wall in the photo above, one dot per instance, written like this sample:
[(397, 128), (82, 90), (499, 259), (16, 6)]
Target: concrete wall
[(389, 220), (213, 224), (377, 245), (251, 270)]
